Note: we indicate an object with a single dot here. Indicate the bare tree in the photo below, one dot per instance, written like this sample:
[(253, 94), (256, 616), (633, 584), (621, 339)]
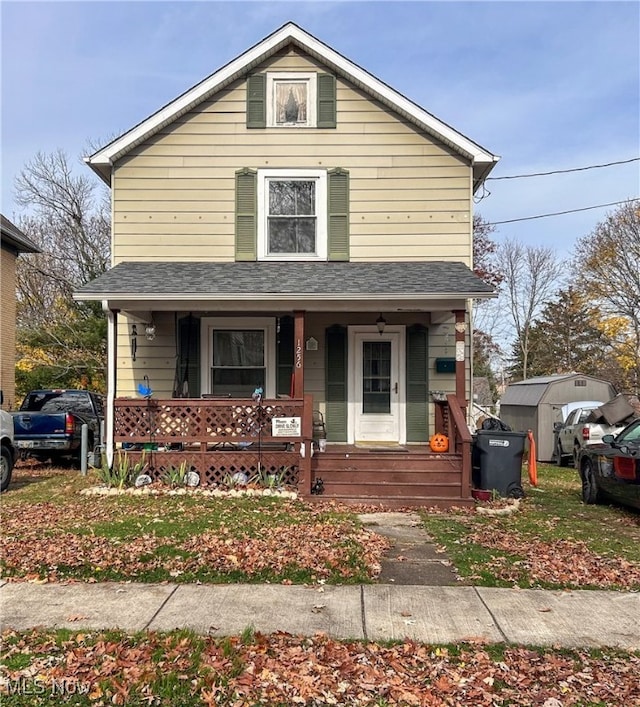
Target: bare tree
[(608, 261), (531, 276), (68, 217)]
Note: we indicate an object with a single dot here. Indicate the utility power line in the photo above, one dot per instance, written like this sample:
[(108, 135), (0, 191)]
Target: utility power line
[(564, 171), (561, 213)]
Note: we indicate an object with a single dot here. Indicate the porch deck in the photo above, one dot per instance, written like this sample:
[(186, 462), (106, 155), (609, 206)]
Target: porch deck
[(221, 437)]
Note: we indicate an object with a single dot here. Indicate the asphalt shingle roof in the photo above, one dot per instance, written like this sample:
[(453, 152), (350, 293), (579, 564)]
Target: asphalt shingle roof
[(281, 278)]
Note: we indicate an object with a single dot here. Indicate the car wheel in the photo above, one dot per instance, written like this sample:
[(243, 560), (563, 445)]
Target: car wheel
[(560, 457), (590, 490), (6, 466)]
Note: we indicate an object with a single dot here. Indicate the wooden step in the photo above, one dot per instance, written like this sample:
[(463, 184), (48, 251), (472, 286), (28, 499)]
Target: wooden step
[(384, 476), (387, 503), (399, 490), (385, 464)]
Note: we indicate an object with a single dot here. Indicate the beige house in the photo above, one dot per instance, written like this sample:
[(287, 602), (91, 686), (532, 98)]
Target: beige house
[(14, 242), (293, 225)]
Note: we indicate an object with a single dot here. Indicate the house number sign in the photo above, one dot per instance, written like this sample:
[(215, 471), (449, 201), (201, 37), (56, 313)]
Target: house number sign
[(298, 353)]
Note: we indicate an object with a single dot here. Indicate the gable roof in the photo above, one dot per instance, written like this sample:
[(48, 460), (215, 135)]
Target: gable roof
[(482, 160), (15, 238), (530, 392)]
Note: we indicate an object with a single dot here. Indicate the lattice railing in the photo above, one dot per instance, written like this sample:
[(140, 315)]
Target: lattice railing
[(216, 437)]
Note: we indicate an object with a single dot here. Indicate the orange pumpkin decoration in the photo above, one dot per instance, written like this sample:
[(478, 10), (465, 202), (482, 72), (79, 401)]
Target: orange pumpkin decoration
[(439, 442)]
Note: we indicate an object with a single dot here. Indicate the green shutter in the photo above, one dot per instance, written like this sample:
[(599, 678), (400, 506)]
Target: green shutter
[(326, 101), (188, 369), (417, 384), (284, 354), (338, 214), (257, 101), (336, 383), (246, 214)]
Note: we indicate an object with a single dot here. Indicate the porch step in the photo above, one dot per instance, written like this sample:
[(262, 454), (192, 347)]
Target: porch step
[(388, 502), (398, 479), (385, 463), (390, 490)]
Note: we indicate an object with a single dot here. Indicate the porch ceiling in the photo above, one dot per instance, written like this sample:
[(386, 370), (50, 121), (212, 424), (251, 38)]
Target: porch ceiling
[(397, 286)]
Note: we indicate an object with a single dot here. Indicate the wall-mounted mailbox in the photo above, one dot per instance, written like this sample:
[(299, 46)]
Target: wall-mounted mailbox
[(445, 365)]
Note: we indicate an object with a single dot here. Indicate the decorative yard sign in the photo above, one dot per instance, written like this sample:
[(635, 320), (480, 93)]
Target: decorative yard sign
[(286, 427)]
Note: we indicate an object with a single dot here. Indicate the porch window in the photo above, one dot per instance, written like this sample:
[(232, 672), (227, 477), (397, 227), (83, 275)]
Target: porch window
[(239, 365), (376, 377), (293, 218), (238, 355)]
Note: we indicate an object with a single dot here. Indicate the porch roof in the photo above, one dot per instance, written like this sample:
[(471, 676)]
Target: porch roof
[(156, 282)]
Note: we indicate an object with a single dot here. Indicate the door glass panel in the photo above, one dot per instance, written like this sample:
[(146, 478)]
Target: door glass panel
[(376, 377)]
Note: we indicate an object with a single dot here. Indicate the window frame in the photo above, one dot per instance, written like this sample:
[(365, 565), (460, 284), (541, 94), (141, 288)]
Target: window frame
[(264, 324), (310, 78), (319, 176)]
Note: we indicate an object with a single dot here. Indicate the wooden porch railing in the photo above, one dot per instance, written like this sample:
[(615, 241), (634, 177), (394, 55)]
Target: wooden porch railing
[(216, 437), (460, 440)]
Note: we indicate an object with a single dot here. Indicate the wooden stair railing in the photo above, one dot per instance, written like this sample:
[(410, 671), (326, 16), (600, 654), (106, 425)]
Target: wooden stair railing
[(460, 440)]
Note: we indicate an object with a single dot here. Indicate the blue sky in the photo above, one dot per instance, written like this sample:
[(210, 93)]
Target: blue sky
[(546, 85)]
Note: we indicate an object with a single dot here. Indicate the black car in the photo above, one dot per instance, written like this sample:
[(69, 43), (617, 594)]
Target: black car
[(611, 469)]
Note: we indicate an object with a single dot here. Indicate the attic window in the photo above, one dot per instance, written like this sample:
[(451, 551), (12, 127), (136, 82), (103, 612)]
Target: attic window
[(291, 100), (580, 383)]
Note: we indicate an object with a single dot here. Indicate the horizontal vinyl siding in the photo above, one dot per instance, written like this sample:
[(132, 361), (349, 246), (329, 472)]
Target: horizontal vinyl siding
[(174, 194), (155, 359)]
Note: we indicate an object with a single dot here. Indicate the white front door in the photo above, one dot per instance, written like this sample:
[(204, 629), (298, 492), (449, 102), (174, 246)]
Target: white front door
[(376, 398)]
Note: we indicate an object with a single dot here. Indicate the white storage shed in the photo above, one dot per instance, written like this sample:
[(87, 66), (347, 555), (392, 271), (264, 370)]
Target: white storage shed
[(536, 404)]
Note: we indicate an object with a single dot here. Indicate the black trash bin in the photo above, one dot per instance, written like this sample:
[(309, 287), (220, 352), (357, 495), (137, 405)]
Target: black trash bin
[(497, 461)]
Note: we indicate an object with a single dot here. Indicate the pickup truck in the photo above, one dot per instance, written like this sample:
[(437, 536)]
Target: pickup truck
[(48, 424), (585, 426), (7, 450)]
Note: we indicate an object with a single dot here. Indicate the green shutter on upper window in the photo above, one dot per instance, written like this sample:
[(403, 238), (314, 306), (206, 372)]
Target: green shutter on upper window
[(338, 214), (257, 101), (336, 383), (246, 214), (417, 384), (326, 101)]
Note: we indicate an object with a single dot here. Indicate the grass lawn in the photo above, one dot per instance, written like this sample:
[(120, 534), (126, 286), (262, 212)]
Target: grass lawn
[(50, 532), (552, 541), (180, 668)]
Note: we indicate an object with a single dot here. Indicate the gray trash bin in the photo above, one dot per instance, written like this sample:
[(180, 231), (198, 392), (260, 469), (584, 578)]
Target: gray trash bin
[(498, 461)]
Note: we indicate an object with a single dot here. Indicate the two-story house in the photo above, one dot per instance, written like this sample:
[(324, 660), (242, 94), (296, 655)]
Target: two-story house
[(292, 225)]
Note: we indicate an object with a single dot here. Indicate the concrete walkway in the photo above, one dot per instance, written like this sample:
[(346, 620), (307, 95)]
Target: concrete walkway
[(376, 612)]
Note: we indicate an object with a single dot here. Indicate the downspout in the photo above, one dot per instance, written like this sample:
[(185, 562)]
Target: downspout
[(112, 335)]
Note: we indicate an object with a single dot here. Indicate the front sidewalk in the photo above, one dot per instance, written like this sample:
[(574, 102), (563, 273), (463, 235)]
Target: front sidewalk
[(438, 615)]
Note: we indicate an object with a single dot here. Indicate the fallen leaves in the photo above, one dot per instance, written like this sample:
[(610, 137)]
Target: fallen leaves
[(157, 668), (166, 539), (564, 563)]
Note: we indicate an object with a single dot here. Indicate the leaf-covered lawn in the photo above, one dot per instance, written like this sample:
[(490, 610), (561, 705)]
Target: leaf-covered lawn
[(180, 668), (176, 538), (552, 541)]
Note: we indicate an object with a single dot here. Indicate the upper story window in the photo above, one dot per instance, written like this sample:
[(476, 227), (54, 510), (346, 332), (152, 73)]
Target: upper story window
[(280, 99), (291, 100), (292, 214)]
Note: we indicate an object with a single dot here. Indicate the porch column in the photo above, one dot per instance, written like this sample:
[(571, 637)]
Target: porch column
[(298, 355), (112, 367), (461, 332)]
